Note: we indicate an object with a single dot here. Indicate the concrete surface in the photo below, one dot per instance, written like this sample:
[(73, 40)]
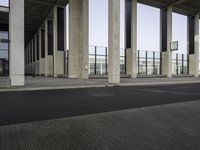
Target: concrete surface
[(20, 107), (174, 126)]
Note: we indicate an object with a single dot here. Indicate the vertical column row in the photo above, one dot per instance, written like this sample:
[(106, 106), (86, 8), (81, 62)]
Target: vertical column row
[(48, 46), (131, 37), (114, 42), (166, 39), (16, 36), (193, 45), (78, 39)]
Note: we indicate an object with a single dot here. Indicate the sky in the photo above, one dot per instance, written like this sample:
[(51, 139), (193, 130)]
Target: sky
[(148, 26)]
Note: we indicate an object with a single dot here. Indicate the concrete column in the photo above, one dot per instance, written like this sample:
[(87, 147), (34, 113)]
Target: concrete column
[(166, 39), (42, 49), (33, 57), (78, 39), (59, 39), (49, 63), (46, 47), (30, 58), (193, 45), (36, 57), (16, 35), (55, 41), (131, 37), (28, 70), (114, 42)]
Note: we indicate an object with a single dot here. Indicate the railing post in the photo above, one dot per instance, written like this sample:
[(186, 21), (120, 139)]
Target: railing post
[(125, 61), (182, 63), (188, 66), (160, 63), (154, 63), (95, 61), (146, 62), (177, 64), (67, 62), (138, 62), (106, 60)]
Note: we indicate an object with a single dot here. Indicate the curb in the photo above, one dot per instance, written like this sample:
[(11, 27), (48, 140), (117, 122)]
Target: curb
[(52, 88), (21, 89)]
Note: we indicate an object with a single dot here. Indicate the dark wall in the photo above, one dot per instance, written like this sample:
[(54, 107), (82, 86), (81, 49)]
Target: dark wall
[(31, 54), (37, 38), (42, 43), (128, 23), (3, 27), (191, 34), (61, 28), (50, 37), (164, 30), (33, 50)]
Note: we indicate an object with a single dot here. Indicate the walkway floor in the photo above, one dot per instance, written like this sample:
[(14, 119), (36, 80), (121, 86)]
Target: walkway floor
[(170, 127), (46, 83)]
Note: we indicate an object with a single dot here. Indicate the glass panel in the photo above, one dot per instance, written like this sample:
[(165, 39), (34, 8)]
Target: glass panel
[(4, 3), (4, 64)]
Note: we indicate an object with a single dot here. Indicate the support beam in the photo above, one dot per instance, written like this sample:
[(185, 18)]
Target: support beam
[(176, 2), (193, 45), (131, 37), (78, 39), (166, 39), (16, 35), (114, 42)]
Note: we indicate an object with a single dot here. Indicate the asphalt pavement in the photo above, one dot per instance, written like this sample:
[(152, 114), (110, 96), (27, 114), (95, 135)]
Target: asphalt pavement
[(30, 106)]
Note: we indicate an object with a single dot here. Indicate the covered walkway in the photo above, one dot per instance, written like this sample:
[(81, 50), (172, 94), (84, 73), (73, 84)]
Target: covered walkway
[(38, 37)]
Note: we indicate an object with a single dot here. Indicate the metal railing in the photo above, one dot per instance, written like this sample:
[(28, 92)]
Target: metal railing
[(98, 60), (149, 62), (180, 64), (4, 65)]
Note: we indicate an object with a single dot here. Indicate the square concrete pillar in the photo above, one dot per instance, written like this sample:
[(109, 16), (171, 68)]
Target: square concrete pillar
[(30, 58), (48, 47), (193, 45), (131, 37), (59, 28), (166, 39), (78, 39), (28, 67), (16, 36), (114, 42), (36, 55), (33, 56), (41, 52)]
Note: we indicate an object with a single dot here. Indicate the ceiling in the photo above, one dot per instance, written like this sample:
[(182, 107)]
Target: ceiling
[(185, 7), (35, 13)]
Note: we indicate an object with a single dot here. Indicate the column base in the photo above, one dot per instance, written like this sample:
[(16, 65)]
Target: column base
[(133, 76), (17, 80), (114, 79), (72, 76)]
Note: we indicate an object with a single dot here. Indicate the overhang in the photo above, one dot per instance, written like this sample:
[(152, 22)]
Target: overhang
[(184, 7)]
